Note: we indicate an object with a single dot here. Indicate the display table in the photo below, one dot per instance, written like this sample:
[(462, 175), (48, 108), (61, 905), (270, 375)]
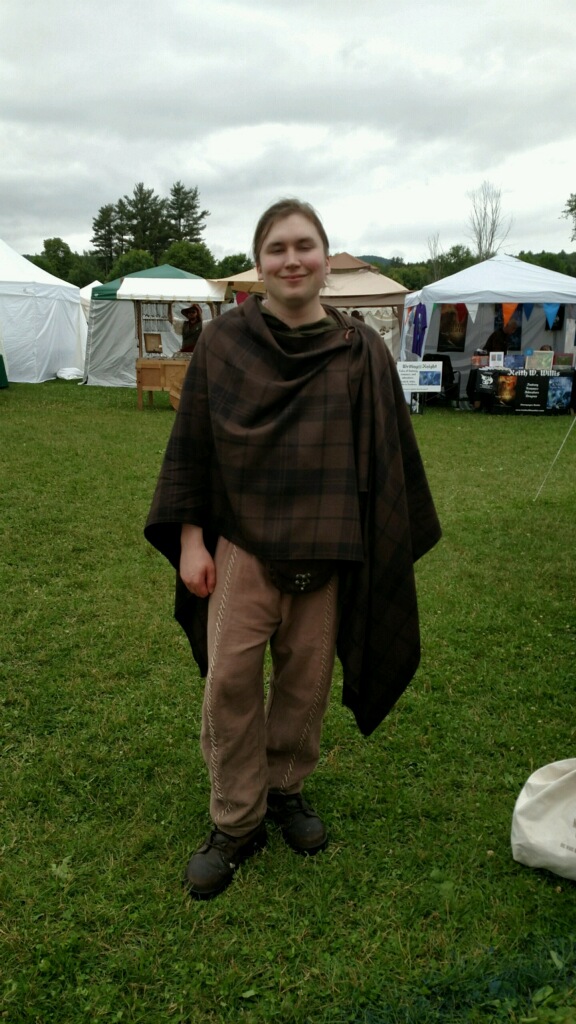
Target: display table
[(522, 391), (153, 374)]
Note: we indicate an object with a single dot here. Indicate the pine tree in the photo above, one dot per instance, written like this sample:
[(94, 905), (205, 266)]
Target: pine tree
[(186, 219), (122, 236), (104, 236), (146, 222), (569, 212), (149, 228)]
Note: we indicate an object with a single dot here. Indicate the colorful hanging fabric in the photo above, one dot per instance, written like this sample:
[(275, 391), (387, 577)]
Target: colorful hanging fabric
[(551, 311), (420, 325), (508, 309)]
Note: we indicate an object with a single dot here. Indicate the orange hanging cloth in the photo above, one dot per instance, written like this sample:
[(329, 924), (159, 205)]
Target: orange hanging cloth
[(508, 309)]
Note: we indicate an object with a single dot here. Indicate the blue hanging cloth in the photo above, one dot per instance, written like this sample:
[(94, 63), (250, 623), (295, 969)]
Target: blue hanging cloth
[(551, 309)]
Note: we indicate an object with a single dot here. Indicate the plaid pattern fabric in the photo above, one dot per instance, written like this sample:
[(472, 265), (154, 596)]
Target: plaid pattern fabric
[(262, 449), (379, 637), (305, 450)]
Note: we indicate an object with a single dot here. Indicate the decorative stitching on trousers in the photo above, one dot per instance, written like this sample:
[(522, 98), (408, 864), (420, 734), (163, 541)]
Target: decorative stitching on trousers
[(320, 685), (214, 765)]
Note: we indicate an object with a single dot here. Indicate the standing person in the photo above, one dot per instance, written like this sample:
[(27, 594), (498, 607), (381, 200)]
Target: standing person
[(293, 502), (192, 327)]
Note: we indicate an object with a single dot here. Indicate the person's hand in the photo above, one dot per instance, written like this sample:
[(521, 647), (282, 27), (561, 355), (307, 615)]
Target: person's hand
[(197, 568)]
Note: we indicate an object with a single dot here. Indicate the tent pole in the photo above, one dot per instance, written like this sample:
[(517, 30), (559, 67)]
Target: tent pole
[(138, 316), (555, 457)]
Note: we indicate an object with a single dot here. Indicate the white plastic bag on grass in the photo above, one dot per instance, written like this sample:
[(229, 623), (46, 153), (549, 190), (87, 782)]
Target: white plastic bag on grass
[(544, 820), (69, 373)]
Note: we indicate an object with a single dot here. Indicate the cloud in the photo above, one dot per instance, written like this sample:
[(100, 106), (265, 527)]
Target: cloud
[(384, 118)]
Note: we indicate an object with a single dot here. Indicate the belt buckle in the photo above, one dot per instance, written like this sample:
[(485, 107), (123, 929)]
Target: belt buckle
[(302, 580)]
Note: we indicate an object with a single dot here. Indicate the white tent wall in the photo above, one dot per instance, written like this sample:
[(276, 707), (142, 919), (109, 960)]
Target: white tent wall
[(41, 317), (112, 346), (3, 351), (86, 296), (44, 330), (385, 322)]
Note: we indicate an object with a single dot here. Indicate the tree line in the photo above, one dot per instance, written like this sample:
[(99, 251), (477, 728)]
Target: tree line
[(415, 276), (139, 231), (144, 230)]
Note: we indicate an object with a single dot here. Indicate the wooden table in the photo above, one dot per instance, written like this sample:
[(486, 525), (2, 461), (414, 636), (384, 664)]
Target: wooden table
[(159, 375)]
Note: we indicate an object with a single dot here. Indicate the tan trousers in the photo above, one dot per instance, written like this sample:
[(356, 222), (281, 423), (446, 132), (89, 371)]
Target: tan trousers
[(250, 747)]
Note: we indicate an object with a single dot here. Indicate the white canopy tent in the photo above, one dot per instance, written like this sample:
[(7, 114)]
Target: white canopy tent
[(536, 293), (41, 320), (183, 290)]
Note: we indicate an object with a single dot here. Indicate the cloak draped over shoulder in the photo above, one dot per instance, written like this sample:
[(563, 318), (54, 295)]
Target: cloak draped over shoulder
[(305, 450)]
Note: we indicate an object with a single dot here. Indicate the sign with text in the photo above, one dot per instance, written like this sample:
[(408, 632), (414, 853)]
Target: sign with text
[(416, 376), (527, 391)]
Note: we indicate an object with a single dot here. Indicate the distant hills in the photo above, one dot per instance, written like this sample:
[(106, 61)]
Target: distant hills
[(376, 261)]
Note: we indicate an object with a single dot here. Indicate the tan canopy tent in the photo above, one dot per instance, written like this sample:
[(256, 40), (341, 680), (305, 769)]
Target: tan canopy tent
[(351, 284), (345, 261), (360, 289)]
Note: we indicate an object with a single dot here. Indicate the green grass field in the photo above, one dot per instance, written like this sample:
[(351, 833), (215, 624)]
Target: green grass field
[(416, 913)]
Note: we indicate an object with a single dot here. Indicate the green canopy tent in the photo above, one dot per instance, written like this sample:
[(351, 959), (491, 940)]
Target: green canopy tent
[(117, 326), (109, 290)]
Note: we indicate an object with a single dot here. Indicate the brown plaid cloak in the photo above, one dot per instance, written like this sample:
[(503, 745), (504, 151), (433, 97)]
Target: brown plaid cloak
[(305, 450)]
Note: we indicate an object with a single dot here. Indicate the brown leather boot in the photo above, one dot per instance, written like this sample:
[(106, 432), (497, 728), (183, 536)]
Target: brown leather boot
[(301, 827), (211, 867)]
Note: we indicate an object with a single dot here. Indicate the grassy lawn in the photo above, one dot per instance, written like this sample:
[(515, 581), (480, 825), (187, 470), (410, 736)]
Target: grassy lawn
[(416, 913)]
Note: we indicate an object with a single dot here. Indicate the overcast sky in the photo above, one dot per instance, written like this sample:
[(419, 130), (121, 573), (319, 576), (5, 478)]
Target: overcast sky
[(384, 115)]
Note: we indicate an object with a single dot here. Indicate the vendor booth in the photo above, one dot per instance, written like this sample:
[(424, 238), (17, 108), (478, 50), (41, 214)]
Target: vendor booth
[(457, 315), (154, 298), (139, 316)]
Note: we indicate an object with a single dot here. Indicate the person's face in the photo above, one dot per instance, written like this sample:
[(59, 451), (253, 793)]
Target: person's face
[(292, 262)]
